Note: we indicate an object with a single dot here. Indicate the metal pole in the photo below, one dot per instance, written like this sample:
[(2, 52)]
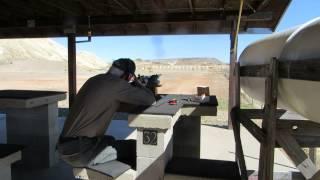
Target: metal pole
[(72, 75)]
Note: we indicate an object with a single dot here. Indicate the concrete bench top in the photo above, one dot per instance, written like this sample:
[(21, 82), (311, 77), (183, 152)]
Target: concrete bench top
[(8, 149), (162, 107), (162, 115), (28, 98)]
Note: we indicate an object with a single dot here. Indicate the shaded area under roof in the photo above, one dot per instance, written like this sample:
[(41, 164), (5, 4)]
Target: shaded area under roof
[(57, 18)]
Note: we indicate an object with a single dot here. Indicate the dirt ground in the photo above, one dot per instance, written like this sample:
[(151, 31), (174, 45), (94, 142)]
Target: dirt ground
[(172, 82)]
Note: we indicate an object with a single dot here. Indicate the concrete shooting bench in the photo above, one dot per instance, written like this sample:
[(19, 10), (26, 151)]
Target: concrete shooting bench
[(163, 131), (9, 154), (31, 121)]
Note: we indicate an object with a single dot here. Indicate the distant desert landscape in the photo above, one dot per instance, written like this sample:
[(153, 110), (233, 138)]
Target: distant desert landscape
[(41, 64)]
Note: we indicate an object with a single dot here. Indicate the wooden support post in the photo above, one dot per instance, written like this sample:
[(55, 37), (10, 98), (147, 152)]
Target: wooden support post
[(269, 123), (234, 114), (313, 155), (233, 59), (296, 154), (72, 75), (316, 176), (254, 129)]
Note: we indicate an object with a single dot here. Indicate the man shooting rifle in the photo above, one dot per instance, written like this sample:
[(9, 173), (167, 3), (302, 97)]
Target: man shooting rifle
[(82, 142)]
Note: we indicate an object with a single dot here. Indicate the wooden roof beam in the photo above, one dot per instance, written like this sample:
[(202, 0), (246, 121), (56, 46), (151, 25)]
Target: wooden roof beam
[(161, 6), (123, 6), (25, 8), (138, 19), (191, 6), (90, 8), (263, 5), (62, 7)]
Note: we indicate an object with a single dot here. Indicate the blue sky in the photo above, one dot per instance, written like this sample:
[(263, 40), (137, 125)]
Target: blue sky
[(162, 47)]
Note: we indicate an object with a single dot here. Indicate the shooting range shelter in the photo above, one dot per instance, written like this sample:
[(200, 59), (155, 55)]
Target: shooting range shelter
[(86, 18)]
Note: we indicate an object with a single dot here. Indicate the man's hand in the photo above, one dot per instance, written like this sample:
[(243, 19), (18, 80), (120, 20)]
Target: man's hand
[(131, 78), (136, 82)]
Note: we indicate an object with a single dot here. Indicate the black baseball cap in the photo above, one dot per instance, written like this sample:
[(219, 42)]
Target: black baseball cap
[(125, 64)]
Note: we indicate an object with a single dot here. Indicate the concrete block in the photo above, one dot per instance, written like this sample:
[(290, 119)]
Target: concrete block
[(150, 168), (187, 137), (37, 129), (5, 165), (29, 102), (153, 121), (164, 137), (150, 121), (5, 173), (154, 167), (120, 130), (199, 111), (8, 160)]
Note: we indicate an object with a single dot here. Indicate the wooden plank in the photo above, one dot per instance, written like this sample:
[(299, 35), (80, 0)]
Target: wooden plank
[(191, 6), (233, 55), (72, 68), (123, 6), (160, 6), (304, 139), (239, 150), (108, 30), (237, 86), (307, 141), (171, 17), (300, 127), (300, 70), (296, 154), (306, 133), (254, 70), (254, 129), (236, 126), (313, 155), (316, 176), (259, 113), (269, 123)]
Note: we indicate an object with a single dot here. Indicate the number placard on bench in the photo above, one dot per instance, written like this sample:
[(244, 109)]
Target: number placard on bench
[(150, 137)]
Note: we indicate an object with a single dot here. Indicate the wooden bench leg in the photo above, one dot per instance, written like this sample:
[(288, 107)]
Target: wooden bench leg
[(296, 154)]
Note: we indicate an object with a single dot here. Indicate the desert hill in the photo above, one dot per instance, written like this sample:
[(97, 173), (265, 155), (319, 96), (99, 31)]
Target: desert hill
[(42, 55)]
